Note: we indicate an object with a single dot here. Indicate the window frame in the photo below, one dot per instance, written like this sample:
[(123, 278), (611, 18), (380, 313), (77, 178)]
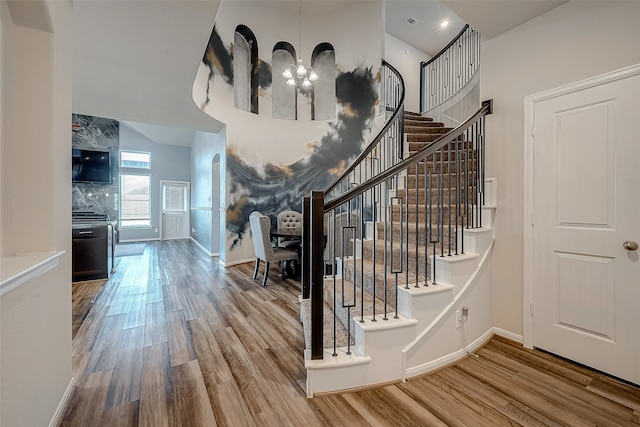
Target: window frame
[(148, 153), (146, 225)]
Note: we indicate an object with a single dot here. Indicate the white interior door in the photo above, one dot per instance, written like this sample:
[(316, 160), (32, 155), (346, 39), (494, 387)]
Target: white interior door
[(586, 179), (175, 220)]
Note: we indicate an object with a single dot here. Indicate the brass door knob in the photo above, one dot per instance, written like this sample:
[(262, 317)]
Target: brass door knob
[(630, 245)]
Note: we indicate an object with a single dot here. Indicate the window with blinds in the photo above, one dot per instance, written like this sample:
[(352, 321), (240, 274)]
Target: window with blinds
[(174, 198)]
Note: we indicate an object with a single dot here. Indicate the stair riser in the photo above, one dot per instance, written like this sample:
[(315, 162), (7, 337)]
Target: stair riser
[(416, 118), (417, 126), (441, 155), (421, 238), (412, 179), (423, 218), (418, 144), (393, 259), (417, 138), (442, 167), (366, 280), (446, 197)]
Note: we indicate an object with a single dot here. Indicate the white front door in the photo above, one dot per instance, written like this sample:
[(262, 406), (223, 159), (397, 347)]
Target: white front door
[(586, 205), (175, 220)]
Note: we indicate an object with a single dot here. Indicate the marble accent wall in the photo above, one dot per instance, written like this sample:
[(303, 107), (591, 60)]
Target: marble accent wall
[(100, 134)]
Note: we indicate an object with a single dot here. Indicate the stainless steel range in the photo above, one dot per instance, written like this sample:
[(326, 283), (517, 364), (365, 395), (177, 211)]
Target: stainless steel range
[(94, 238)]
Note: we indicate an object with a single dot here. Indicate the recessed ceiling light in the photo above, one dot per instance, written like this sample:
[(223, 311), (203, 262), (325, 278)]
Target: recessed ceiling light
[(444, 23)]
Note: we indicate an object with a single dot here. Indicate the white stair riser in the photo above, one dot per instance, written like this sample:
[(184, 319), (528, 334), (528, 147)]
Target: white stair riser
[(384, 346), (423, 307)]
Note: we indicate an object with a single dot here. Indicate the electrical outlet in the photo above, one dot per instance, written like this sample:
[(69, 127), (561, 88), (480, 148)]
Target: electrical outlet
[(458, 319)]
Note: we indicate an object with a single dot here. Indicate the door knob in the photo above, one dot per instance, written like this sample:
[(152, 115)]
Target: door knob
[(630, 245)]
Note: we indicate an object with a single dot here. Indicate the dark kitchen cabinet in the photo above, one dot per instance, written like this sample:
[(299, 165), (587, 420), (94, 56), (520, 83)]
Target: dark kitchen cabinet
[(91, 252)]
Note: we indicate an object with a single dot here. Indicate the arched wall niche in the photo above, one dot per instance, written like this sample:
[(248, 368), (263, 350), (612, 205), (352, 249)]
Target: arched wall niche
[(323, 61), (245, 69), (284, 98)]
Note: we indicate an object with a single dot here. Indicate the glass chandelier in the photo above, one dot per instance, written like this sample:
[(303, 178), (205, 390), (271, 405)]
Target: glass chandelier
[(299, 72)]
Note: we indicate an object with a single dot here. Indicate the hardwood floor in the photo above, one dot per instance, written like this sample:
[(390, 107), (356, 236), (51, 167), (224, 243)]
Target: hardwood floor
[(173, 339)]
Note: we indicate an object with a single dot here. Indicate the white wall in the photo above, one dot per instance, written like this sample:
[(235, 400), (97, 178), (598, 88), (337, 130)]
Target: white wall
[(406, 59), (207, 220), (35, 319), (572, 42)]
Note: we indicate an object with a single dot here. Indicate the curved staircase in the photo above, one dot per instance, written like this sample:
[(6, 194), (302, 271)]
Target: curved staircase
[(386, 299)]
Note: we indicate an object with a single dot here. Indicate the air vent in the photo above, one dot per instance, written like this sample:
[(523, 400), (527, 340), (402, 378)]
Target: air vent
[(412, 21)]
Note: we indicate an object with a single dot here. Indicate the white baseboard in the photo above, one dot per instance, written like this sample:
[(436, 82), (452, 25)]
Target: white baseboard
[(57, 415), (449, 358), (206, 251), (508, 334), (139, 240), (243, 261)]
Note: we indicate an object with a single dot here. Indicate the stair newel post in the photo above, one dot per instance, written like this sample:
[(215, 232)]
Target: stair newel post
[(306, 238), (316, 263)]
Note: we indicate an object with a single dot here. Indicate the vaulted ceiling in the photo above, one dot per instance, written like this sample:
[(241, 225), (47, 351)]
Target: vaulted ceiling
[(137, 60)]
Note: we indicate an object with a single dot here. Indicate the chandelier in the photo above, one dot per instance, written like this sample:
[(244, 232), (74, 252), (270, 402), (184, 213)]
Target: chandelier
[(299, 72)]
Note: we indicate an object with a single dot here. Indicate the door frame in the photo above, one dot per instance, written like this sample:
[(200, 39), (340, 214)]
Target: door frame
[(187, 205), (529, 127)]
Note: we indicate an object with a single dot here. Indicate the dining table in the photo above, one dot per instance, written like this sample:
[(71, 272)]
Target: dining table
[(290, 268)]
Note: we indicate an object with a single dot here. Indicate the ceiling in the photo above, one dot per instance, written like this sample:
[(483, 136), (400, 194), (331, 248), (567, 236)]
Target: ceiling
[(136, 61)]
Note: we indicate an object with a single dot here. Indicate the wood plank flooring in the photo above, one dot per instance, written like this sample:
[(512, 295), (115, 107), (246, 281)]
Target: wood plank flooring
[(173, 339)]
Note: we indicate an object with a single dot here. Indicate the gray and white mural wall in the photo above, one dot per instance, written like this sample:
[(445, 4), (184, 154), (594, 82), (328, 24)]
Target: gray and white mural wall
[(271, 163)]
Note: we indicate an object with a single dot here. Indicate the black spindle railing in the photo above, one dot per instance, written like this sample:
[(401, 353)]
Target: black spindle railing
[(367, 235)]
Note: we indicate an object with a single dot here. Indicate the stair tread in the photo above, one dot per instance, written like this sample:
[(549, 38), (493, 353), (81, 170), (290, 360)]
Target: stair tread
[(341, 331)]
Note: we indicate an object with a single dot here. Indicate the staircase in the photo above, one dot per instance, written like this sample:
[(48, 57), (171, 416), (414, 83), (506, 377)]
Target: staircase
[(415, 262), (396, 251)]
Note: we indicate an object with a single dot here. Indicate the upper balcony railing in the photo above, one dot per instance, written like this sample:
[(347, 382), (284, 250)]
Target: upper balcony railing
[(450, 71)]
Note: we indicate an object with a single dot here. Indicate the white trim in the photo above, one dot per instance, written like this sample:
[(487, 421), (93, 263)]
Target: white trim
[(449, 358), (508, 334), (19, 269), (529, 121), (57, 415), (187, 211), (232, 263), (446, 311), (154, 239), (201, 247)]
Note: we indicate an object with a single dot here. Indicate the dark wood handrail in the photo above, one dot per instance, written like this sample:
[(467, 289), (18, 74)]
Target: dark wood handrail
[(376, 140), (444, 49), (486, 108)]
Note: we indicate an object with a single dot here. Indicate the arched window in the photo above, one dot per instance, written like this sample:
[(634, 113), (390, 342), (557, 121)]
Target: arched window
[(323, 61), (245, 69), (284, 98)]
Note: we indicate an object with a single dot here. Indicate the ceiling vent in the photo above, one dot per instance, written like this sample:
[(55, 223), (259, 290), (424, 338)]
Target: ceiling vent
[(412, 21)]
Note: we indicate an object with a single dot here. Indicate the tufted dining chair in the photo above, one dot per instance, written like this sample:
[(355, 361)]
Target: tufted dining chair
[(261, 233), (289, 220)]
